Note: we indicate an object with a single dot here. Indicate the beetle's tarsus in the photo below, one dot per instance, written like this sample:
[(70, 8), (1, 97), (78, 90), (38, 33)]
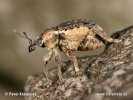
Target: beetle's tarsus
[(116, 40), (47, 58), (58, 62)]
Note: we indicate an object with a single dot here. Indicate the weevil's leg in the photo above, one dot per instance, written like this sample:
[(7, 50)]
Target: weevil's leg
[(58, 62), (73, 58), (99, 31), (47, 58), (90, 43)]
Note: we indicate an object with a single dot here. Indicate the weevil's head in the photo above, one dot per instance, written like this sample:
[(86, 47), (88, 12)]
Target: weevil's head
[(34, 43)]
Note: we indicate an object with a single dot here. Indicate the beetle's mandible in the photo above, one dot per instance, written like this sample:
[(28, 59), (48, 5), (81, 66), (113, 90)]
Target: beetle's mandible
[(81, 35)]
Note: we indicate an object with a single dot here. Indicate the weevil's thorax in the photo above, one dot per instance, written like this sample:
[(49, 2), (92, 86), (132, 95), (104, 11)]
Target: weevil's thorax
[(50, 38), (76, 33)]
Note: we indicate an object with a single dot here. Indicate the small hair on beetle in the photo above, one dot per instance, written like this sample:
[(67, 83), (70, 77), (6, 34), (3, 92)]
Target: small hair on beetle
[(24, 35)]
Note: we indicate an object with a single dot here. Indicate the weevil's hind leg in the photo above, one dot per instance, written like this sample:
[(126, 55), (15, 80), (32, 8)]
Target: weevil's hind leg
[(105, 37), (47, 58), (58, 62), (100, 32), (72, 57)]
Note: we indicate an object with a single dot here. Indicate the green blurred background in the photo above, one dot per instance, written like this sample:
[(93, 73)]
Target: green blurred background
[(33, 17)]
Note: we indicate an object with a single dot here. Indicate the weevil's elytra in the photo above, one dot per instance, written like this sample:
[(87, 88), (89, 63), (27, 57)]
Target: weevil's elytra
[(81, 35)]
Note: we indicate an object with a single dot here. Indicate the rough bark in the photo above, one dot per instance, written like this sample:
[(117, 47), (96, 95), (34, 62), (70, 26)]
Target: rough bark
[(109, 72)]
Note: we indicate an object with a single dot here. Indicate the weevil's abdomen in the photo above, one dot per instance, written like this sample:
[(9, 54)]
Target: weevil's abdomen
[(72, 37), (90, 43)]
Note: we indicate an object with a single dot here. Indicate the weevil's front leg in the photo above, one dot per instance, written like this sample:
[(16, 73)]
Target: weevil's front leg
[(58, 62), (47, 58), (73, 58)]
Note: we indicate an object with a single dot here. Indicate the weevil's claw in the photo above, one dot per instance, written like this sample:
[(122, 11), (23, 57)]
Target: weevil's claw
[(49, 80), (116, 40), (61, 78), (78, 73), (61, 82), (49, 83)]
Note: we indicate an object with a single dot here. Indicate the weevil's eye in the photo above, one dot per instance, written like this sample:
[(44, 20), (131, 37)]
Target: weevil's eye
[(43, 45), (40, 42)]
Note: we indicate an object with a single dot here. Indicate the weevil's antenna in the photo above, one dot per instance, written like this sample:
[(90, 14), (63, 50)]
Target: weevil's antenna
[(24, 35), (30, 40)]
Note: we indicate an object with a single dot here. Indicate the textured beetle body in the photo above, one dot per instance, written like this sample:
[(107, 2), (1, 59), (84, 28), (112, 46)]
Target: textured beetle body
[(71, 36), (76, 35)]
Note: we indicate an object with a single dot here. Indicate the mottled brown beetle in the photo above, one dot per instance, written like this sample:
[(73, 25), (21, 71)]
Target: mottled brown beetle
[(71, 36)]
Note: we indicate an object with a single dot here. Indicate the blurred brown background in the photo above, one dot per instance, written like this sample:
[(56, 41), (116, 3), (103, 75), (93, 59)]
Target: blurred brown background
[(34, 16)]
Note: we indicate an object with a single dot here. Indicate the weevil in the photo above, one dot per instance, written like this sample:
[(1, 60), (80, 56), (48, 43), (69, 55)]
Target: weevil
[(71, 36)]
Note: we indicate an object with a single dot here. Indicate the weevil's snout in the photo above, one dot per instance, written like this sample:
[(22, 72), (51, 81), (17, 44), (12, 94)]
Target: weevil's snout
[(31, 47)]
